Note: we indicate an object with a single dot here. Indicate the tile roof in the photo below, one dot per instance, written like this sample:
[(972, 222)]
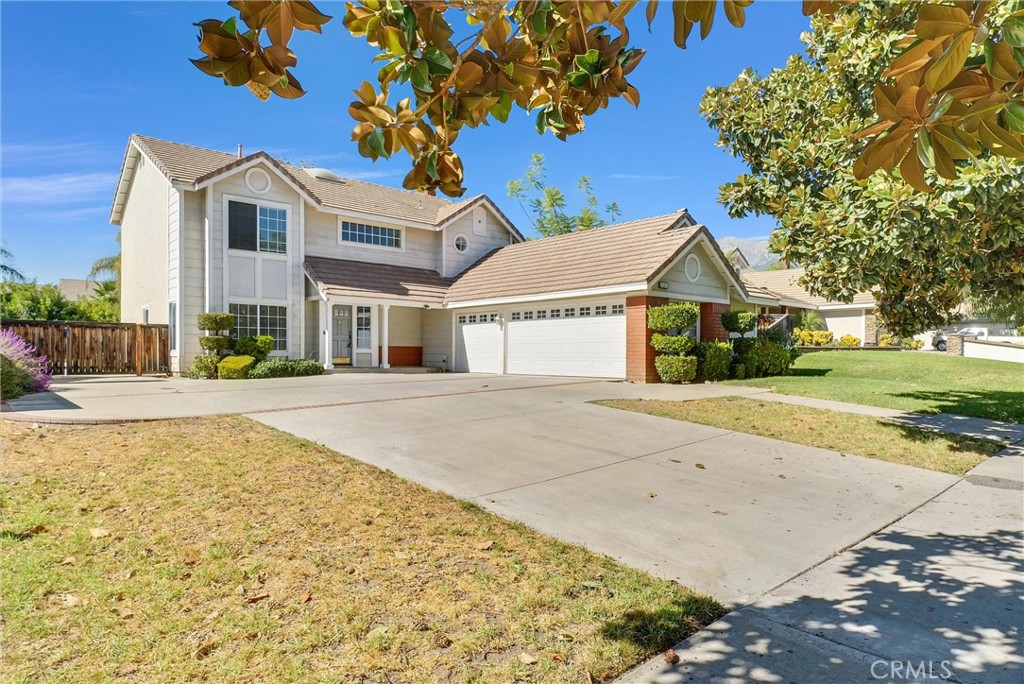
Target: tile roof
[(188, 164), (783, 284), (622, 254), (345, 278)]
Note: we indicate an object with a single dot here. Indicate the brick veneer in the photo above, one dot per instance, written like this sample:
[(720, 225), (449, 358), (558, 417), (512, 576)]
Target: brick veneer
[(711, 322), (871, 330), (639, 353), (402, 356)]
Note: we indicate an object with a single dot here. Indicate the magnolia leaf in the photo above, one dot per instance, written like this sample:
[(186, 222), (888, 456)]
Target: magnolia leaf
[(1014, 115), (912, 59), (1000, 141), (885, 103), (681, 25), (948, 65), (375, 141), (735, 12), (1013, 29), (438, 59), (999, 58), (652, 8), (940, 21)]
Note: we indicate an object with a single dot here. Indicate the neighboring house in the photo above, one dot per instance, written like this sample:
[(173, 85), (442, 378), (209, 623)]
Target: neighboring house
[(737, 259), (353, 273), (856, 318), (74, 290)]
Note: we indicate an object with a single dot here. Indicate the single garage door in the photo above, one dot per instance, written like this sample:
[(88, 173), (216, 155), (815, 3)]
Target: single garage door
[(478, 343), (578, 340)]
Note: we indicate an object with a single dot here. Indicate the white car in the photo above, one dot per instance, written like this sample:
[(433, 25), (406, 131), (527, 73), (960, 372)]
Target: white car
[(939, 341)]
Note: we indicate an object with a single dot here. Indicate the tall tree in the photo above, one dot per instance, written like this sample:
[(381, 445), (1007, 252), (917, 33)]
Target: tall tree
[(8, 272), (451, 65), (921, 253), (545, 204)]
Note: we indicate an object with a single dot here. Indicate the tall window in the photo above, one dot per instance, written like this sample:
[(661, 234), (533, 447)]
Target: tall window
[(255, 228), (371, 235), (172, 325), (363, 327), (261, 319)]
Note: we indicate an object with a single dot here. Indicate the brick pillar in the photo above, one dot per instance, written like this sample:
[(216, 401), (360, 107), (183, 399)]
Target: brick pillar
[(870, 330), (639, 352), (955, 345), (711, 322)]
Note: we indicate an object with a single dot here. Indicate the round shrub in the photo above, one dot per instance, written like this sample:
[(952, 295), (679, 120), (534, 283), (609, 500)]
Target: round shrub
[(214, 344), (742, 345), (235, 367), (216, 322), (204, 367), (303, 367), (913, 344), (739, 322), (256, 346), (672, 344), (820, 338), (715, 358), (849, 341), (889, 340), (676, 368), (767, 358), (672, 316)]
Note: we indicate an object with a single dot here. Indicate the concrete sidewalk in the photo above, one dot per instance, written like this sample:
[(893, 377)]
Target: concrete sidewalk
[(940, 589)]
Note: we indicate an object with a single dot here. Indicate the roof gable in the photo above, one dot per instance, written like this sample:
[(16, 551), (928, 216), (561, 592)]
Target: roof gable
[(784, 283)]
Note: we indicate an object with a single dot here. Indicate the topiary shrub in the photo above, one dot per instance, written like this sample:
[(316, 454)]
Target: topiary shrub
[(672, 344), (256, 346), (849, 341), (215, 322), (741, 345), (739, 322), (235, 367), (767, 358), (715, 358), (203, 367), (214, 344), (285, 368), (676, 369), (739, 371), (672, 316)]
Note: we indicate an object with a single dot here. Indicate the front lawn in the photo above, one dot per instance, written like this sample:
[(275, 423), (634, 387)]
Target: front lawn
[(912, 381), (221, 550), (843, 432)]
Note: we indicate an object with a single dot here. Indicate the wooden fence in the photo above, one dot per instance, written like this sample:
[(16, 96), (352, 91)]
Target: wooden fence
[(98, 348)]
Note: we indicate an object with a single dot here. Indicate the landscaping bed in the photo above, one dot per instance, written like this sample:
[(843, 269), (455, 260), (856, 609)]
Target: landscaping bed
[(221, 550), (846, 433)]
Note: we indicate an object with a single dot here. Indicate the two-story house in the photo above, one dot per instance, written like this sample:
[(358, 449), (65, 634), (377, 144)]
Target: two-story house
[(354, 273)]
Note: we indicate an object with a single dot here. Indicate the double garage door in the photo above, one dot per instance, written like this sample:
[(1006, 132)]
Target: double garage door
[(582, 340)]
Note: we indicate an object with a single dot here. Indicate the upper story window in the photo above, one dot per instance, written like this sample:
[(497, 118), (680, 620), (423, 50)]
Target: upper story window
[(257, 228), (377, 236), (461, 243)]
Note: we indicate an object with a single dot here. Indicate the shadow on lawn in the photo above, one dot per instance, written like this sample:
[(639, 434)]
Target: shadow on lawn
[(903, 596), (991, 404), (809, 372)]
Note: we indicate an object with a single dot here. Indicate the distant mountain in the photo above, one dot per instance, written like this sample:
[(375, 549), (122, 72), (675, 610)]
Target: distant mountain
[(756, 251)]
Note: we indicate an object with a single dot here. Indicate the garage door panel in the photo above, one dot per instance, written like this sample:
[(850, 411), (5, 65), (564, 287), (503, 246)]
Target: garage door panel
[(478, 344), (593, 346)]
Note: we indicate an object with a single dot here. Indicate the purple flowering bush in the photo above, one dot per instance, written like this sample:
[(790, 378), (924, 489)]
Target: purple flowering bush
[(25, 370)]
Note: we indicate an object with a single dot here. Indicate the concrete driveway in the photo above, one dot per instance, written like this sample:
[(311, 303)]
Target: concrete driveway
[(729, 514)]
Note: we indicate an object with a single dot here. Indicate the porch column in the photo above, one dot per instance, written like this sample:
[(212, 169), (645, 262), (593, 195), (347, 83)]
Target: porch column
[(384, 336), (327, 325)]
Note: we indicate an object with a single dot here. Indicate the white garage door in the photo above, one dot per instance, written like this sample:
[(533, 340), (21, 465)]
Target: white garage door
[(583, 341), (478, 343)]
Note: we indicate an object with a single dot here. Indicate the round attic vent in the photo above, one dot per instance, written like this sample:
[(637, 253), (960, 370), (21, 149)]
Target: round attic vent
[(258, 181), (324, 174)]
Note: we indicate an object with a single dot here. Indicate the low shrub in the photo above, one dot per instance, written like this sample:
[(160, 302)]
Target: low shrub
[(849, 341), (672, 344), (285, 368), (821, 338), (739, 322), (739, 371), (812, 338), (672, 316), (715, 358), (256, 346), (676, 369), (15, 381), (214, 344), (216, 322), (889, 340), (204, 367), (235, 367), (767, 358), (913, 344), (741, 345), (23, 355)]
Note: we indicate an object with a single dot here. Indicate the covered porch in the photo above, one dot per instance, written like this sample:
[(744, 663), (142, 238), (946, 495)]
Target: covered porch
[(371, 316)]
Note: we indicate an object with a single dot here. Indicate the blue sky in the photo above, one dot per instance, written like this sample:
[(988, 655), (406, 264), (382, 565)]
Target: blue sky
[(79, 78)]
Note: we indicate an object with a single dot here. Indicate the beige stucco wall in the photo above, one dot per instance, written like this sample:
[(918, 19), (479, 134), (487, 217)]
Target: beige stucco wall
[(145, 237), (404, 327), (483, 233), (710, 285), (437, 337), (845, 322), (418, 250)]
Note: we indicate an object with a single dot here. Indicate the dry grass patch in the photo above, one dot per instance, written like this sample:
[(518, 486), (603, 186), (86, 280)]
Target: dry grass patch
[(844, 432), (221, 550)]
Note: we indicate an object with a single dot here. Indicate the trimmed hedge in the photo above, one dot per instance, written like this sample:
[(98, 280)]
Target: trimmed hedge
[(767, 358), (739, 322), (715, 358), (739, 372), (216, 322), (214, 344), (256, 346), (849, 341), (235, 367), (285, 368), (676, 368), (672, 316), (672, 344), (812, 338), (204, 367)]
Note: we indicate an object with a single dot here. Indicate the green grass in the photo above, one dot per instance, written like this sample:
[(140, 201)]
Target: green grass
[(221, 550), (911, 381), (843, 432)]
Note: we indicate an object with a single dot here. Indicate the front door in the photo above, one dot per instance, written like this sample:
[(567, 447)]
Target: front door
[(341, 335)]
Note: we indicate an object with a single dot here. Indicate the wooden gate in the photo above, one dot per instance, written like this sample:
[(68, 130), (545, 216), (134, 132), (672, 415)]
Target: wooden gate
[(98, 348)]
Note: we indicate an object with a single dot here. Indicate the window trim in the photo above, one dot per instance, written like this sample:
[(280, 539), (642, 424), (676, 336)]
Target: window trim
[(402, 232), (259, 330), (369, 328), (455, 244), (290, 227)]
